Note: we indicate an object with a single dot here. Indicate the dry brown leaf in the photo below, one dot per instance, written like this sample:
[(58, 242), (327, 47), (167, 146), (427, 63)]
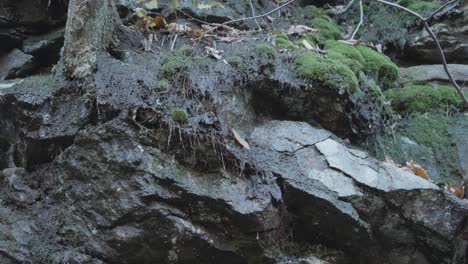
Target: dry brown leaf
[(159, 22), (240, 140), (418, 170)]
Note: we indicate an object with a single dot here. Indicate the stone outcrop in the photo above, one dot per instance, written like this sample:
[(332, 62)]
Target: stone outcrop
[(452, 33), (177, 157)]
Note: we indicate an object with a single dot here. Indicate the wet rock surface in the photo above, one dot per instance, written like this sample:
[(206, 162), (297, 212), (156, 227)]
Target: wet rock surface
[(100, 171)]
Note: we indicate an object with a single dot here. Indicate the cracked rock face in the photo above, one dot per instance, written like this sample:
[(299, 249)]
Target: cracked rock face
[(99, 172)]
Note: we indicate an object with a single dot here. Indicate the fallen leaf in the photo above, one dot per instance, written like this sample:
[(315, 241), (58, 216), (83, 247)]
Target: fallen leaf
[(418, 170), (159, 22), (240, 140), (218, 54), (458, 191), (301, 30)]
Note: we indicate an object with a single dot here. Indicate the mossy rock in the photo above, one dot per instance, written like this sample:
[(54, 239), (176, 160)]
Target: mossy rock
[(331, 73), (432, 131), (348, 51), (179, 115), (379, 65), (422, 98), (328, 28)]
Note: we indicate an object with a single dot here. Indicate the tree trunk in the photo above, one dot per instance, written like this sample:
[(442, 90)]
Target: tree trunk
[(91, 28)]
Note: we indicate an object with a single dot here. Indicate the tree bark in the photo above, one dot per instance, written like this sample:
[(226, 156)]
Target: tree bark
[(91, 28)]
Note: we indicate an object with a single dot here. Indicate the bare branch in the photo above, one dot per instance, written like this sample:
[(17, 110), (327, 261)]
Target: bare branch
[(260, 16), (344, 10), (361, 20), (439, 47), (253, 13), (402, 8), (440, 9)]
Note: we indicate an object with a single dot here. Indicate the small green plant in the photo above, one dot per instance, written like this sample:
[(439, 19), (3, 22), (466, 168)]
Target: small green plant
[(172, 69), (267, 51), (238, 63), (179, 115), (163, 85), (283, 42)]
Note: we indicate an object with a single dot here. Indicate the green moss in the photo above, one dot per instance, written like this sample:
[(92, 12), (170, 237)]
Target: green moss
[(348, 51), (179, 115), (331, 73), (313, 38), (163, 85), (283, 42), (420, 98), (379, 65), (266, 51), (328, 28), (238, 63)]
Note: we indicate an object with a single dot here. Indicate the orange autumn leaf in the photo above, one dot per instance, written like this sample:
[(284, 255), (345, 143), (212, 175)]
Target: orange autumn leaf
[(418, 170), (458, 191)]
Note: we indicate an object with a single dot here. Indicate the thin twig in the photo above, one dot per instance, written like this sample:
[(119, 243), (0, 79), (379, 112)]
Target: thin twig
[(344, 10), (402, 8), (173, 43), (439, 9), (361, 20), (260, 16), (253, 13), (439, 47)]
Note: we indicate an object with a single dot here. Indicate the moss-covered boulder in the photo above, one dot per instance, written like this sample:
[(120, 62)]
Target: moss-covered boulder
[(329, 72), (422, 98)]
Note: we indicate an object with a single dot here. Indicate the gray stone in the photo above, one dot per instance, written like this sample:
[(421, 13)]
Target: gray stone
[(16, 64), (422, 156), (288, 136), (381, 176), (460, 130), (452, 34), (423, 74)]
